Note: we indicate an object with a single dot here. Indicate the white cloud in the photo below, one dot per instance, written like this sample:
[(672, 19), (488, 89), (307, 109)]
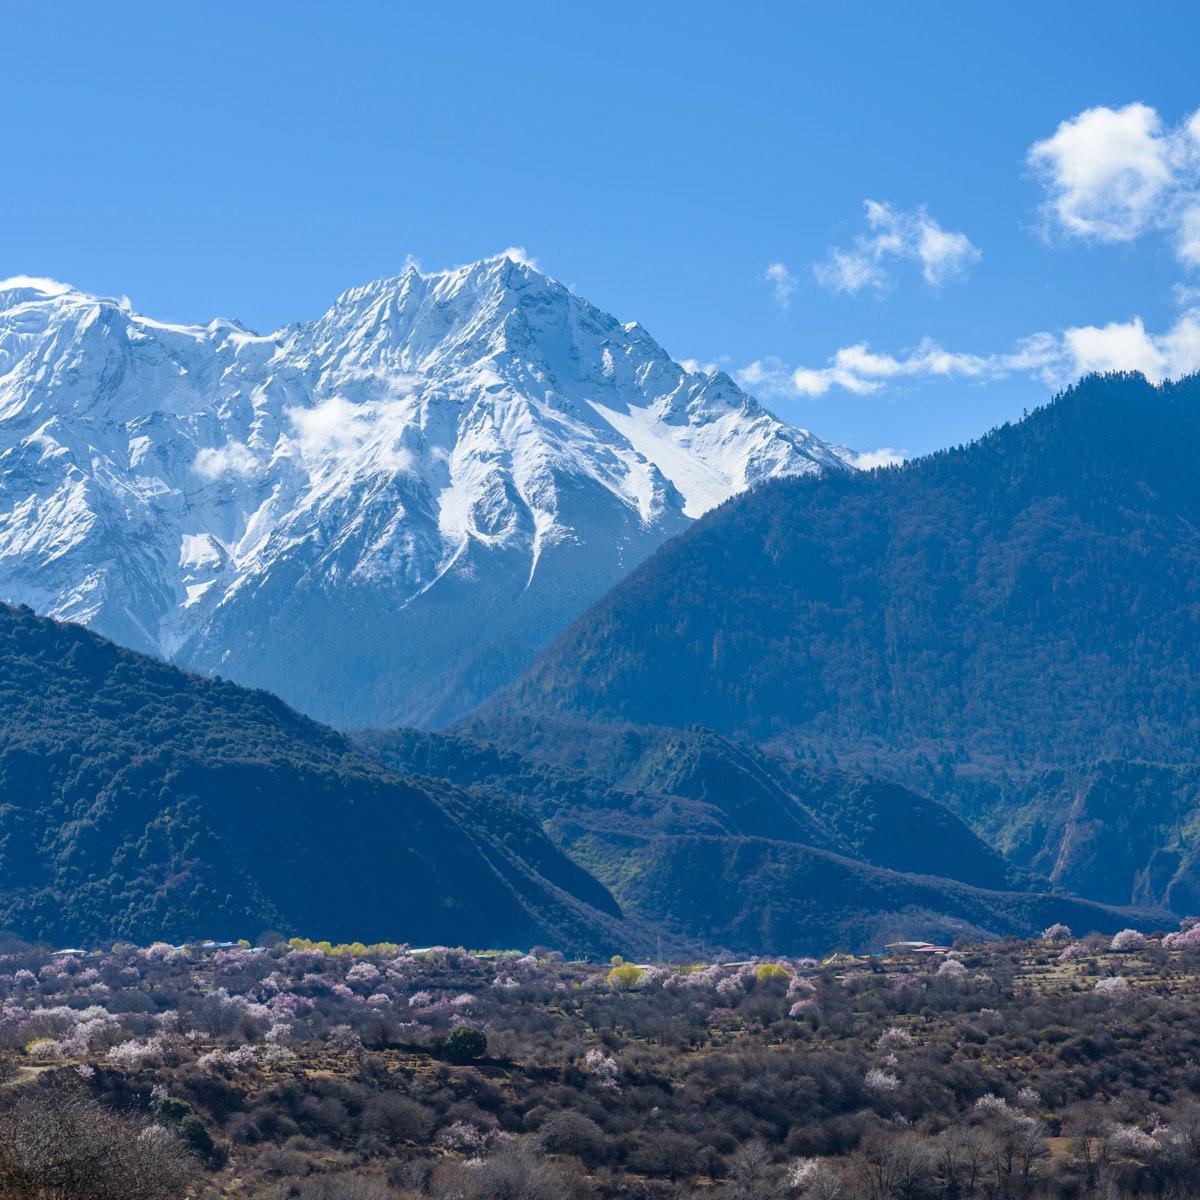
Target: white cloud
[(884, 456), (851, 271), (895, 237), (693, 366), (1129, 346), (859, 370), (337, 428), (1054, 358), (1105, 170), (233, 458), (763, 375), (783, 283), (519, 254), (36, 283), (1117, 346), (1186, 295), (1115, 174), (1187, 233), (330, 427), (944, 256)]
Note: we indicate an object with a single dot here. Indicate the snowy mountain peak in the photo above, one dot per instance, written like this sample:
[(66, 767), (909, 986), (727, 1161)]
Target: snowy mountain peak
[(382, 513)]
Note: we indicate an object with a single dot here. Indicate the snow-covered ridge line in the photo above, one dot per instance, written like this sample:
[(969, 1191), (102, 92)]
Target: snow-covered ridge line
[(381, 513)]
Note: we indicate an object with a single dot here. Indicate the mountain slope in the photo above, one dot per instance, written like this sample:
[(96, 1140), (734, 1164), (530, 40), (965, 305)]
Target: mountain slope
[(380, 515), (775, 896), (137, 801), (1026, 601), (745, 791), (602, 823), (1118, 831), (729, 848)]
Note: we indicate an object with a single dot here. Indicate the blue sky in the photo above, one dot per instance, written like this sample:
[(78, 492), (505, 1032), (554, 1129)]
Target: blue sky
[(254, 160)]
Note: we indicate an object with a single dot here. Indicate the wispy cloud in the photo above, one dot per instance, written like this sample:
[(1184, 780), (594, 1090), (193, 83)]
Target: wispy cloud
[(884, 456), (783, 283), (519, 254), (695, 366), (337, 429), (1115, 174), (234, 458), (893, 238), (37, 283), (1055, 358)]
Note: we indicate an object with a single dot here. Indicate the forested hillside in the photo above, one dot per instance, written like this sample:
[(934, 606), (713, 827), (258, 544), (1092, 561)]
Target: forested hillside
[(1027, 602), (727, 847), (139, 801), (1119, 831)]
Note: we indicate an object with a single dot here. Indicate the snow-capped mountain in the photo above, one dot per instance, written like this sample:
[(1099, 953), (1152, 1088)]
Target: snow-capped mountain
[(381, 514)]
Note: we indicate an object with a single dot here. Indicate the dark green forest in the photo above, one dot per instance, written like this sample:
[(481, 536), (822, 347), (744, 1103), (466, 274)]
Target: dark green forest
[(139, 801), (725, 846), (987, 625), (1031, 598)]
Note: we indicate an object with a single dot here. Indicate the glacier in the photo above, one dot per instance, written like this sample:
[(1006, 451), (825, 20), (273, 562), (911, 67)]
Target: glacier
[(380, 515)]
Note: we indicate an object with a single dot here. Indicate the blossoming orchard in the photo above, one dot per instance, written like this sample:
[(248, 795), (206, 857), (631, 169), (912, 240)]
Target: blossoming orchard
[(1011, 1069)]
